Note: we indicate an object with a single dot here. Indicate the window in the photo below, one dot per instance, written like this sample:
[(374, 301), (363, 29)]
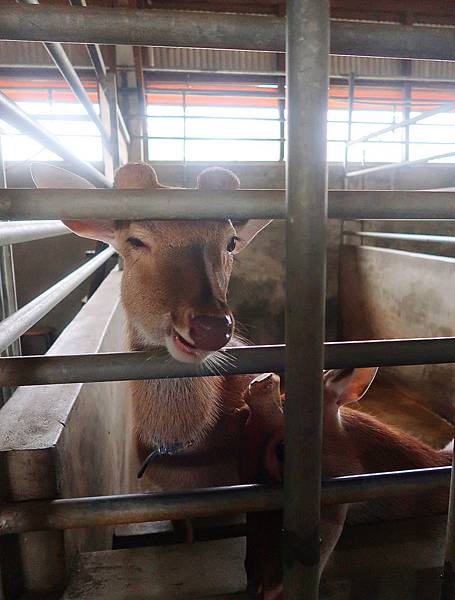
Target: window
[(215, 123), (58, 112)]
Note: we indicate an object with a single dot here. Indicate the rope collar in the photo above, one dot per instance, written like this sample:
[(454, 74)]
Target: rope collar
[(163, 450)]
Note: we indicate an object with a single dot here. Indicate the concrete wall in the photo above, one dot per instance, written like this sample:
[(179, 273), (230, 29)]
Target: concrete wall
[(66, 441), (387, 294)]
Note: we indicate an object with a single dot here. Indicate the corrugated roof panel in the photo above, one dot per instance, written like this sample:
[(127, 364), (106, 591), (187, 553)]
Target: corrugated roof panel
[(217, 60), (34, 53)]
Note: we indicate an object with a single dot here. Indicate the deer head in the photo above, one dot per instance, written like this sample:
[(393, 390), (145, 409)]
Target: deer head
[(176, 273)]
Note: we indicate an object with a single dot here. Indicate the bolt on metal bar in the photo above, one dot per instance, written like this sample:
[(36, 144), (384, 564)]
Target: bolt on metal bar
[(225, 31), (411, 237), (14, 232), (125, 366), (448, 579), (190, 204), (15, 116), (400, 165), (19, 322), (441, 109), (73, 513), (307, 68)]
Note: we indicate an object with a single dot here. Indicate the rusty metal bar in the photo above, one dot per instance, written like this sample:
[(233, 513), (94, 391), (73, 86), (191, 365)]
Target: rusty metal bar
[(125, 366), (19, 322), (307, 68), (73, 513), (168, 204), (209, 30)]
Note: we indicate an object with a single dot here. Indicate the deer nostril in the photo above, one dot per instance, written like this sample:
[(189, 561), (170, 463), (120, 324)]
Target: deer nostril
[(209, 332)]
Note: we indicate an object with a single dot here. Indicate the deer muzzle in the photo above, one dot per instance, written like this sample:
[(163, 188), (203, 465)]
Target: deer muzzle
[(211, 332)]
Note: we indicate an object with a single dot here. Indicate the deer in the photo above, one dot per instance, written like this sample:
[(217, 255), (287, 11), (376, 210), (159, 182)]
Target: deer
[(353, 443), (174, 293)]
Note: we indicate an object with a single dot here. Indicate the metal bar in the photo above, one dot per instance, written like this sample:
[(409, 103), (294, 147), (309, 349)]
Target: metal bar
[(63, 64), (141, 204), (111, 94), (189, 204), (183, 29), (68, 72), (393, 166), (13, 114), (307, 68), (72, 513), (208, 139), (387, 205), (28, 231), (448, 579), (351, 94), (124, 366), (441, 109), (18, 323), (8, 295), (411, 237)]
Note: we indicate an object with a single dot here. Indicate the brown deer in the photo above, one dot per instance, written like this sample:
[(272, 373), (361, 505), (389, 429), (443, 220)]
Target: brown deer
[(174, 291), (352, 443)]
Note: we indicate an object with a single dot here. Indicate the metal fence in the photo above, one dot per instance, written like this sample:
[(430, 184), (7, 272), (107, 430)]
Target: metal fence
[(308, 42)]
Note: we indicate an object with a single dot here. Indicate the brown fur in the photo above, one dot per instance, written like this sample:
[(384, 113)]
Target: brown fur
[(353, 443), (186, 273)]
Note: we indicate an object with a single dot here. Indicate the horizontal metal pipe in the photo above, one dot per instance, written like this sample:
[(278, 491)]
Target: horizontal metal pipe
[(72, 513), (19, 322), (391, 205), (17, 232), (165, 204), (210, 30), (122, 366), (406, 237), (400, 165), (15, 116), (141, 204)]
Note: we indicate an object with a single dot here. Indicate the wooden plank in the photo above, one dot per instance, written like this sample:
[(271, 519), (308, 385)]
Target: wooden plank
[(180, 572), (375, 560)]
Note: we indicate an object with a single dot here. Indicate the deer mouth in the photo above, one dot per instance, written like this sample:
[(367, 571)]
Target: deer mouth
[(184, 350)]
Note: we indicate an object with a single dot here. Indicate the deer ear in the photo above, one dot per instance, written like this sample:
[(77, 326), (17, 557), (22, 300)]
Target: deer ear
[(247, 231), (136, 176), (48, 176), (218, 178), (348, 385)]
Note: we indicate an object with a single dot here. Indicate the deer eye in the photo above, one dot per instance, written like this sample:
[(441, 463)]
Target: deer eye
[(136, 242), (232, 243)]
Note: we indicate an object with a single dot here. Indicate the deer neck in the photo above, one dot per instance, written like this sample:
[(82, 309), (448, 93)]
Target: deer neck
[(173, 410)]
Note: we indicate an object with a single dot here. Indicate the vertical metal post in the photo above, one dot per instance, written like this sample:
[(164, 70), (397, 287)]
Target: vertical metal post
[(8, 299), (448, 581), (351, 93), (407, 116), (184, 126), (307, 87), (111, 93)]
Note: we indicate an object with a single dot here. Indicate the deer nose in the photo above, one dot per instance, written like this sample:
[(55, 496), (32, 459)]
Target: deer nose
[(209, 332)]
